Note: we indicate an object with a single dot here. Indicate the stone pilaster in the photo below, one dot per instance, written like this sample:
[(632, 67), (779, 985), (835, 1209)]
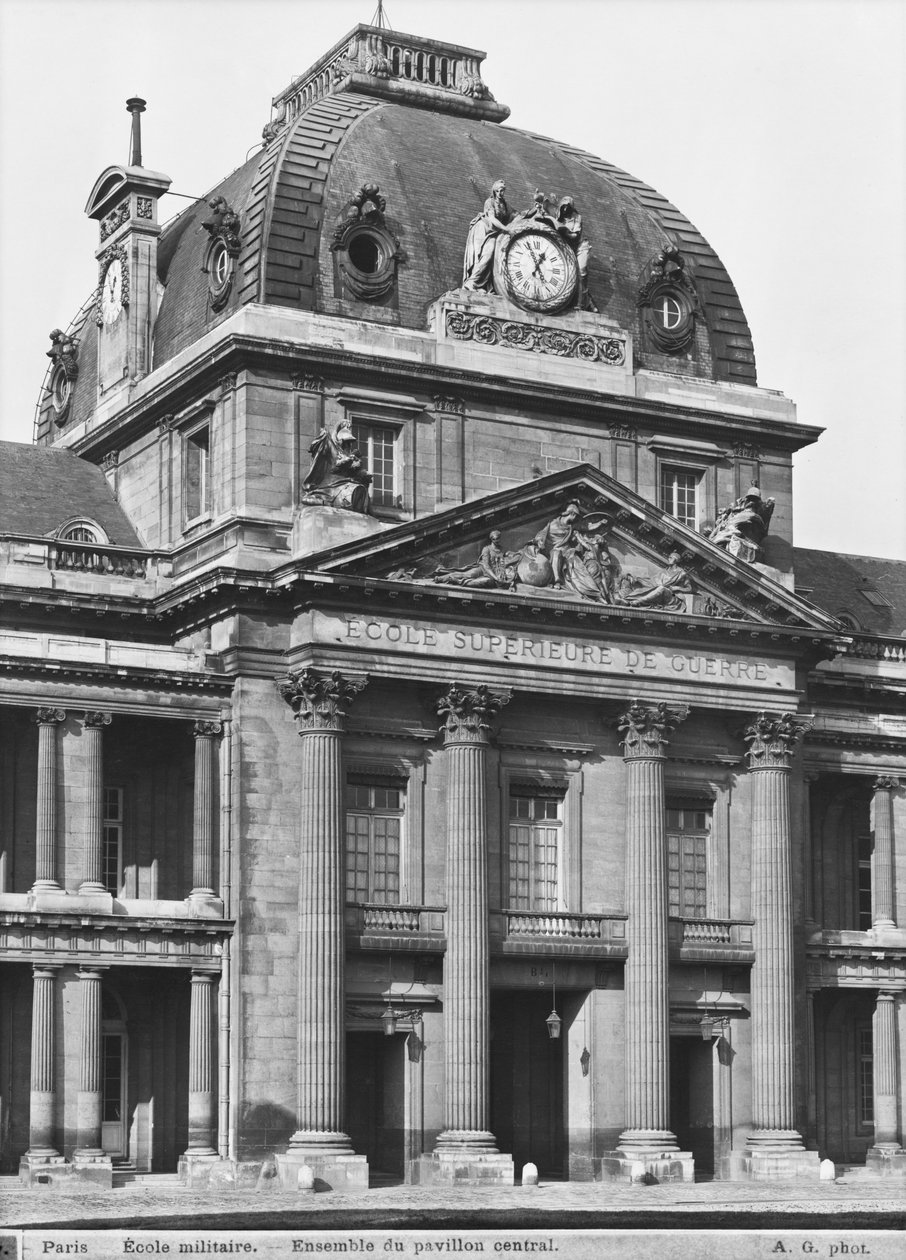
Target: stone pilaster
[(203, 828), (775, 1147), (46, 824), (886, 1155), (645, 731), (883, 913), (93, 735), (89, 1160), (319, 702), (466, 1149)]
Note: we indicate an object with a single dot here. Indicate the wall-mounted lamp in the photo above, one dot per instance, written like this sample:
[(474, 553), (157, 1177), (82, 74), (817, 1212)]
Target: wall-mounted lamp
[(553, 1021)]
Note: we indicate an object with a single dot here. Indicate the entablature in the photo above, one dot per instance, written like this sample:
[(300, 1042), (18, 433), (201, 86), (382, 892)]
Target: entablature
[(108, 940)]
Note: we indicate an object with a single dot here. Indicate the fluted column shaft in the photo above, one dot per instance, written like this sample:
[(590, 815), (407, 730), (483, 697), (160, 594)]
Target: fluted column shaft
[(201, 1068), (46, 822), (883, 914), (43, 1101), (771, 743), (466, 988), (203, 810), (884, 1053), (646, 997), (91, 1070), (319, 702), (93, 735)]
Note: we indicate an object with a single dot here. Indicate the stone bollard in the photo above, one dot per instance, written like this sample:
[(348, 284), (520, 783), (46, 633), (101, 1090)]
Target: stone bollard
[(306, 1181), (530, 1175), (827, 1171)]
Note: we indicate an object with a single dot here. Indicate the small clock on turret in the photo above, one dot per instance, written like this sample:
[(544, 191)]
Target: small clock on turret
[(112, 291)]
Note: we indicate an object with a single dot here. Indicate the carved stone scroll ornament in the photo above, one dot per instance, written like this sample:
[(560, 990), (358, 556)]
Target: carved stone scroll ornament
[(319, 701), (337, 477), (772, 739), (116, 218), (741, 527), (515, 335), (645, 728), (467, 715)]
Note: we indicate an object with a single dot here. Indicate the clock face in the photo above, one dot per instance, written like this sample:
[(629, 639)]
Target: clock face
[(112, 291), (541, 271)]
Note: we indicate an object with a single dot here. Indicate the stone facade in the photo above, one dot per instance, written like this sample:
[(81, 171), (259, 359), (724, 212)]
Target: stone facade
[(318, 824)]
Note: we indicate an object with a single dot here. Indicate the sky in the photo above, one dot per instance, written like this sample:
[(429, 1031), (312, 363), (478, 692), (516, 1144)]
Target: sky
[(777, 126)]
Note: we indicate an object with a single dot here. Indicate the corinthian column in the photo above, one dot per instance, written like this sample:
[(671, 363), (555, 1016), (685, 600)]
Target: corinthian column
[(201, 1070), (90, 1065), (43, 1102), (46, 823), (320, 702), (203, 811), (93, 735), (467, 717), (646, 730), (883, 914), (772, 741)]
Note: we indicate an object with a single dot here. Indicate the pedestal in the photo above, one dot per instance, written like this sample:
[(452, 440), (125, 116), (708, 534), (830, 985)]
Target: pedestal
[(95, 1170), (333, 1170), (462, 1167), (45, 1170), (766, 1163), (194, 1171), (660, 1165)]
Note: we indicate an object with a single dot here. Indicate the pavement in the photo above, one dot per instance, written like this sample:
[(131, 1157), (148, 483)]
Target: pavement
[(161, 1203)]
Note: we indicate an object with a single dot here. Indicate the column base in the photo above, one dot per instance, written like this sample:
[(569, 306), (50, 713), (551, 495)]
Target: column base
[(659, 1165), (204, 905), (194, 1170), (332, 1169), (45, 1170), (461, 1166), (93, 1168), (763, 1162), (887, 1159)]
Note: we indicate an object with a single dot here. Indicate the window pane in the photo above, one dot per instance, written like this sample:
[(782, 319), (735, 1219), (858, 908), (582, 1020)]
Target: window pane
[(377, 445), (373, 843), (679, 494)]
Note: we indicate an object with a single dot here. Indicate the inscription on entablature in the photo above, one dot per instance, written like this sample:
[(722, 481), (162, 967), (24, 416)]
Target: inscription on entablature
[(583, 654)]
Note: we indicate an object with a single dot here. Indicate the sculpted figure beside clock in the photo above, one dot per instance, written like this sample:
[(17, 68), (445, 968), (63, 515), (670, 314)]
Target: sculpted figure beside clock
[(535, 259)]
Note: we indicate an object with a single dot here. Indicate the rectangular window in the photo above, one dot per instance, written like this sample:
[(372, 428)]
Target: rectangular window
[(197, 494), (688, 829), (679, 494), (864, 883), (535, 842), (865, 1051), (113, 1078), (112, 857), (377, 447), (374, 826)]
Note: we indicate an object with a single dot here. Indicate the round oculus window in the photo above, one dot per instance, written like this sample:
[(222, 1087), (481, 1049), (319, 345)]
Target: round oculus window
[(220, 266), (60, 388), (365, 253)]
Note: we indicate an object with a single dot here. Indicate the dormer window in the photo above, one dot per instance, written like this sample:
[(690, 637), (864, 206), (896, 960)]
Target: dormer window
[(82, 531)]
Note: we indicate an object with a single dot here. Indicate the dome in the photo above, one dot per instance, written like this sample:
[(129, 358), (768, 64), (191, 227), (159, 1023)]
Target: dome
[(433, 149)]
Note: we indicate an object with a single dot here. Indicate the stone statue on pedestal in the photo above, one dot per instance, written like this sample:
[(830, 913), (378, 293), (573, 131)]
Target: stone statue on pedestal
[(337, 477), (741, 527)]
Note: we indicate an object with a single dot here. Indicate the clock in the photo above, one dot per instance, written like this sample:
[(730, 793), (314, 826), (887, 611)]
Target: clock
[(112, 291), (536, 269)]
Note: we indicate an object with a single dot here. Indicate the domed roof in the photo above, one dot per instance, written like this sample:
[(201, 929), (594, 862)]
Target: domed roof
[(434, 150)]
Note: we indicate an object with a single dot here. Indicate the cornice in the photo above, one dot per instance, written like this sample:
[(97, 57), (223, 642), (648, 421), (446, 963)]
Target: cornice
[(237, 350)]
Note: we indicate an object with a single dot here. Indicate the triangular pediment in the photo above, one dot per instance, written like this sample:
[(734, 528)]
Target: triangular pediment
[(575, 536)]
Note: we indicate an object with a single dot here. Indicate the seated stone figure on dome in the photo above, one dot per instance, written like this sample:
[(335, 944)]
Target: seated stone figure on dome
[(741, 527), (337, 477), (478, 263)]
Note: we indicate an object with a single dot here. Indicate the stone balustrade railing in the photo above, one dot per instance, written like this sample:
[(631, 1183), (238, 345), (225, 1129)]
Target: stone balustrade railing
[(64, 555), (559, 925), (710, 934), (878, 648), (709, 931), (401, 921)]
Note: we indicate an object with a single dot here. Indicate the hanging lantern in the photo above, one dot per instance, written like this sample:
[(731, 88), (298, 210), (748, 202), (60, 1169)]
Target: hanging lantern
[(388, 1021), (707, 1027), (554, 1024)]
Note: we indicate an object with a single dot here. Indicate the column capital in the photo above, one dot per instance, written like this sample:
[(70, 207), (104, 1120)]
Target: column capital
[(90, 972), (203, 977), (885, 783), (206, 730), (46, 971), (48, 717), (319, 700), (95, 718), (467, 715), (646, 728), (772, 739)]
